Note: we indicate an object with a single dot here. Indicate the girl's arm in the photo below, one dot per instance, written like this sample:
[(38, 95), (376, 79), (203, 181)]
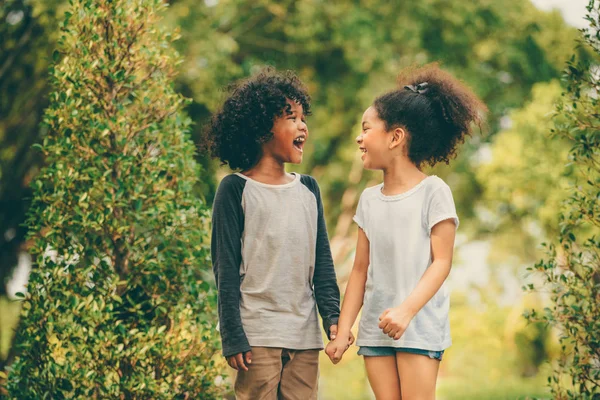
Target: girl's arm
[(394, 321), (353, 298)]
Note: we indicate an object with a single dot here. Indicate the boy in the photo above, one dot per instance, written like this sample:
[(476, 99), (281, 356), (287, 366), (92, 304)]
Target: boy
[(270, 251)]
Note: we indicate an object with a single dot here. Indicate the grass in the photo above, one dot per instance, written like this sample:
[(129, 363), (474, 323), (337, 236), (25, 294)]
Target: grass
[(348, 380), (9, 317), (511, 388)]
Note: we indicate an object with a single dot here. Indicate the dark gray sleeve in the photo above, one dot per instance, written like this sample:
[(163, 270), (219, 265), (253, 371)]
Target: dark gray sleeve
[(327, 292), (226, 252)]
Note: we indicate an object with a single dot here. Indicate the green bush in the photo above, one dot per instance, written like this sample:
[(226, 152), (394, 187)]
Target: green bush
[(117, 306), (571, 273)]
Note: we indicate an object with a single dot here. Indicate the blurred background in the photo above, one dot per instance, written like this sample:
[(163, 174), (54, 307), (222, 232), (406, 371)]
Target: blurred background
[(508, 179)]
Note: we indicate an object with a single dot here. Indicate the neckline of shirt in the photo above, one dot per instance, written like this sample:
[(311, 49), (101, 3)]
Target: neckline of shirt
[(271, 186), (403, 195)]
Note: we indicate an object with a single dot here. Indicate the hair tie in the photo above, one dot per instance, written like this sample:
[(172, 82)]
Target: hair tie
[(420, 88)]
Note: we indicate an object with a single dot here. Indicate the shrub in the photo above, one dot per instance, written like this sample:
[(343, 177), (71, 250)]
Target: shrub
[(117, 306)]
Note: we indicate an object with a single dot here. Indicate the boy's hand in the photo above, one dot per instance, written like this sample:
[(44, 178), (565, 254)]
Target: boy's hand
[(240, 361), (394, 321), (336, 349), (333, 334)]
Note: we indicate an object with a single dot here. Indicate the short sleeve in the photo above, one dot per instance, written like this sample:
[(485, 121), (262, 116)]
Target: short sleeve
[(360, 215), (441, 208)]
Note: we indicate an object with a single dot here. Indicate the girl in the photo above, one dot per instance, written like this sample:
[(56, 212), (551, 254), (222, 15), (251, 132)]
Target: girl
[(407, 227)]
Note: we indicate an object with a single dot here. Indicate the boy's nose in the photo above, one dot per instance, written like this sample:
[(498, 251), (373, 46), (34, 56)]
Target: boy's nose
[(359, 139), (303, 126)]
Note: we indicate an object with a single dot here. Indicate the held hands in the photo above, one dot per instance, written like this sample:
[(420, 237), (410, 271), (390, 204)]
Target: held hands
[(394, 321), (338, 345), (240, 361), (336, 349)]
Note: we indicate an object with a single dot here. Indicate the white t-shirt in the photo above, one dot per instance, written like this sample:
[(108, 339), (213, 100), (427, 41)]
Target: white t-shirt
[(398, 228)]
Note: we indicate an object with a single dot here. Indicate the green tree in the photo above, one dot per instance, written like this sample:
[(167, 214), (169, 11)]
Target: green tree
[(348, 52), (523, 179), (28, 31), (117, 306), (571, 272)]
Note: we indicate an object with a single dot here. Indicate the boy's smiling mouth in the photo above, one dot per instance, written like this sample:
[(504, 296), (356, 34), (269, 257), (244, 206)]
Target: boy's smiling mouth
[(299, 143)]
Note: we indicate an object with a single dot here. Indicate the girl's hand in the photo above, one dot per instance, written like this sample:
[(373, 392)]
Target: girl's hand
[(394, 321), (336, 348)]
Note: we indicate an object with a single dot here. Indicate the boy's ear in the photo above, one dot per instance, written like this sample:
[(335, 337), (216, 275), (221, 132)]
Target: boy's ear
[(398, 138)]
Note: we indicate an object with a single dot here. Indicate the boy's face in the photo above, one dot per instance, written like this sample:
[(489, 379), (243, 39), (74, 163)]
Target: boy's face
[(289, 135)]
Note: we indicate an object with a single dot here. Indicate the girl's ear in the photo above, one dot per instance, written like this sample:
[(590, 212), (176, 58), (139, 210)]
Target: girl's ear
[(399, 136)]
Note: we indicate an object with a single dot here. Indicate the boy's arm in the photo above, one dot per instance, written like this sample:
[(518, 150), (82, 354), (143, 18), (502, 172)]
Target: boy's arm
[(227, 228), (327, 292)]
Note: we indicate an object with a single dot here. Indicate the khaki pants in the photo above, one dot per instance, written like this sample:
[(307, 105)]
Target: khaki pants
[(279, 374)]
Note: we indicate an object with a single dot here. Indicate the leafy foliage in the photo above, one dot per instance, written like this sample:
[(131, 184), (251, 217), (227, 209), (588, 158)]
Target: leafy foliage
[(117, 306), (571, 272)]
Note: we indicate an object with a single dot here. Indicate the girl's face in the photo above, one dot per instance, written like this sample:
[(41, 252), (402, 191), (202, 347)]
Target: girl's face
[(374, 141), (289, 135)]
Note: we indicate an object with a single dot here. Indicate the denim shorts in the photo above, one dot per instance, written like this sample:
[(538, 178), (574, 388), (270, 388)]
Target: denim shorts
[(376, 351)]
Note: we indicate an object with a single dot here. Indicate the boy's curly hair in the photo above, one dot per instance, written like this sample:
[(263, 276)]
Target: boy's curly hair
[(435, 108), (237, 131)]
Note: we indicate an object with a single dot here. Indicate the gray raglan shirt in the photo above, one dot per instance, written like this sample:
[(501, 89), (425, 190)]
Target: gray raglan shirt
[(272, 264)]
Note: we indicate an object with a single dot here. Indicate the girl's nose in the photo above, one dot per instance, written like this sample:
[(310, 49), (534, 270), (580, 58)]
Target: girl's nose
[(359, 139)]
